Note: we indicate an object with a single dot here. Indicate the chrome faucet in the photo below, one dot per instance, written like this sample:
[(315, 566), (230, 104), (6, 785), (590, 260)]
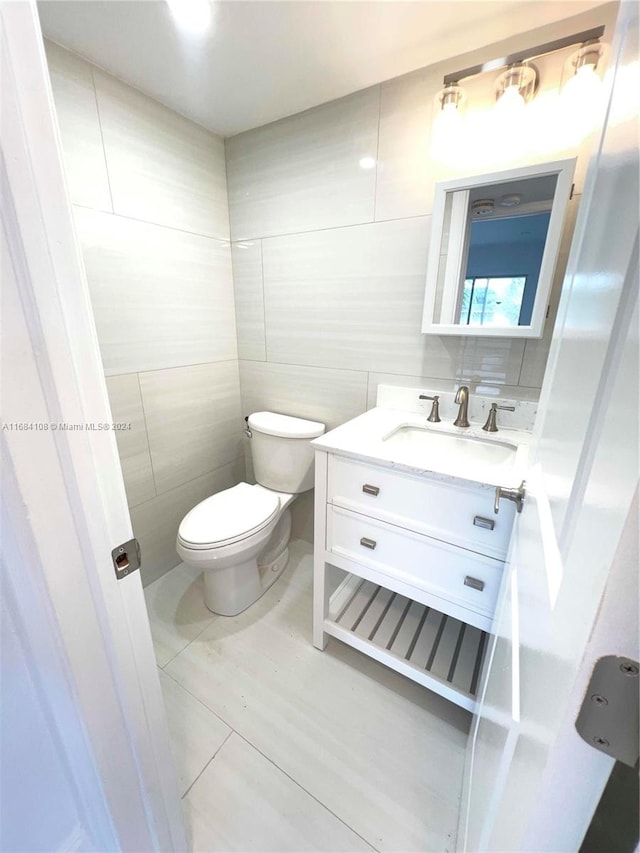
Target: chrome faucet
[(462, 398)]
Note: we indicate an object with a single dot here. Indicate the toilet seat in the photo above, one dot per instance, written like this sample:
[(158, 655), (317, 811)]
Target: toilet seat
[(228, 517)]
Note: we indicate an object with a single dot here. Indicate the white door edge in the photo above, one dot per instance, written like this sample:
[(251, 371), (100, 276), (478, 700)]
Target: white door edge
[(64, 339)]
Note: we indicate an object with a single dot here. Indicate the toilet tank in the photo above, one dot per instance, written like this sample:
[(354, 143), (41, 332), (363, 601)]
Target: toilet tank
[(281, 451)]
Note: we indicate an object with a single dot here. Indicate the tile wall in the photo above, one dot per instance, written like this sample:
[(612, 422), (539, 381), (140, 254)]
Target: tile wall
[(330, 215), (150, 203)]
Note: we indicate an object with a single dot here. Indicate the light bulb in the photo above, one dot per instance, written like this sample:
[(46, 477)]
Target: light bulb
[(191, 16), (447, 133), (583, 87), (581, 102), (511, 103)]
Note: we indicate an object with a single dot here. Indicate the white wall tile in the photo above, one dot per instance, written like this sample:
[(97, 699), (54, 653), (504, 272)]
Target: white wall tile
[(77, 112), (302, 517), (193, 420), (133, 444), (347, 297), (303, 172), (249, 298), (156, 522), (352, 298), (485, 389), (161, 297), (163, 168), (406, 171), (319, 394)]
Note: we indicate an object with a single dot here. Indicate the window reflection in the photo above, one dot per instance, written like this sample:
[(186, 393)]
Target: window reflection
[(492, 301)]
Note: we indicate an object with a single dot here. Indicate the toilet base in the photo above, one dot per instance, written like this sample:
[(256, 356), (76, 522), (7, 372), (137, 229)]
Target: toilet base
[(270, 573), (249, 593), (229, 591)]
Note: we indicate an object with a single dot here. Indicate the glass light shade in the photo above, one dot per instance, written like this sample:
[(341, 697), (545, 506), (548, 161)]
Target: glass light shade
[(448, 133), (583, 87), (511, 104), (581, 98)]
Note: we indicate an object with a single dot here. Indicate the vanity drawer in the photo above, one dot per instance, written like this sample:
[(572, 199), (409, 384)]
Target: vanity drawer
[(464, 578), (453, 513)]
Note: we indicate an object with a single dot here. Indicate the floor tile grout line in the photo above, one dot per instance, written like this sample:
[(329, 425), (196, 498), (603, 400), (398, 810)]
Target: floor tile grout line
[(186, 689), (253, 746), (177, 654), (217, 752), (302, 788), (249, 742)]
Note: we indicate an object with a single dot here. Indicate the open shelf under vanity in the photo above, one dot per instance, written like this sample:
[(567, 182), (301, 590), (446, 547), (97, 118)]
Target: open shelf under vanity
[(432, 648)]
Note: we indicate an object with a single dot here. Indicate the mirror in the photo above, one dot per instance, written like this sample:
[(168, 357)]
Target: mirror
[(493, 251)]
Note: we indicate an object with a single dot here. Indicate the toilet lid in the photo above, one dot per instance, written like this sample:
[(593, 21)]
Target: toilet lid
[(230, 515)]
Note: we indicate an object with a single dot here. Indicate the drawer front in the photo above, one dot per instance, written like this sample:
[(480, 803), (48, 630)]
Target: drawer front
[(453, 513), (453, 574)]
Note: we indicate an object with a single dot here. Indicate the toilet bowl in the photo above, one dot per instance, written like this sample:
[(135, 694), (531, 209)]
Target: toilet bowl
[(239, 536)]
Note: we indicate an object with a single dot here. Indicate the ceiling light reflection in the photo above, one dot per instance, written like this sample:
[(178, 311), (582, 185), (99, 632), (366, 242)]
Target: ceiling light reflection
[(191, 16), (367, 162)]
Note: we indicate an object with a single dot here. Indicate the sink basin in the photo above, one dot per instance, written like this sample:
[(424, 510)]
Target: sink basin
[(446, 450)]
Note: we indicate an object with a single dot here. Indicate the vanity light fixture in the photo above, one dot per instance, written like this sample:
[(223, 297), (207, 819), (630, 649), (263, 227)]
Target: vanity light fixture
[(449, 105), (515, 87), (585, 82), (449, 102), (450, 97)]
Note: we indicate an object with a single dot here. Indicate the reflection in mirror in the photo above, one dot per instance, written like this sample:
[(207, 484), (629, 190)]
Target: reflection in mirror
[(496, 249)]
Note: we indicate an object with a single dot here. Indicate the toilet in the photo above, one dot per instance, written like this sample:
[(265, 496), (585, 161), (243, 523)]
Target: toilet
[(239, 537)]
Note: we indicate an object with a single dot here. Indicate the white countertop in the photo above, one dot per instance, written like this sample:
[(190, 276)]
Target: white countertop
[(363, 438)]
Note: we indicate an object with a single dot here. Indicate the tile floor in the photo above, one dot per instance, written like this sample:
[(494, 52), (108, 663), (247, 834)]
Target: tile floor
[(280, 747)]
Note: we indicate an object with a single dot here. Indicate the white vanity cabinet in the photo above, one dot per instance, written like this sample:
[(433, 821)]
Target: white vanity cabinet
[(424, 555)]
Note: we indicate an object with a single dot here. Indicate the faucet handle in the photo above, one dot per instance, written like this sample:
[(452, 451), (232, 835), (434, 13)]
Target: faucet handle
[(434, 416), (490, 423)]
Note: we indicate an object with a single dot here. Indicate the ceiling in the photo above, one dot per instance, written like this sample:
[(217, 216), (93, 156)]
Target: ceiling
[(264, 60)]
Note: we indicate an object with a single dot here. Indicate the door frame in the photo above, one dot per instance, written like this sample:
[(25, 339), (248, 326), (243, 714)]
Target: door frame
[(140, 784), (566, 788)]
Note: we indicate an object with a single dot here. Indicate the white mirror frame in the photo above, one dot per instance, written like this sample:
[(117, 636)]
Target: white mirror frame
[(457, 252)]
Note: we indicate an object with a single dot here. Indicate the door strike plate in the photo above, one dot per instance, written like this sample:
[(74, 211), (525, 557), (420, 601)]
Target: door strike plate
[(126, 558), (608, 717)]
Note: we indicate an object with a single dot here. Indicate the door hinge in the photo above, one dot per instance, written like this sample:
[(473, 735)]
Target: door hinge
[(126, 558), (608, 717)]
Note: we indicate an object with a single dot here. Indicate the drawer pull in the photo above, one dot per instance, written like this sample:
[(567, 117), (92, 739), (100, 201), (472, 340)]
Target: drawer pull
[(369, 543), (474, 583), (371, 490), (487, 523)]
